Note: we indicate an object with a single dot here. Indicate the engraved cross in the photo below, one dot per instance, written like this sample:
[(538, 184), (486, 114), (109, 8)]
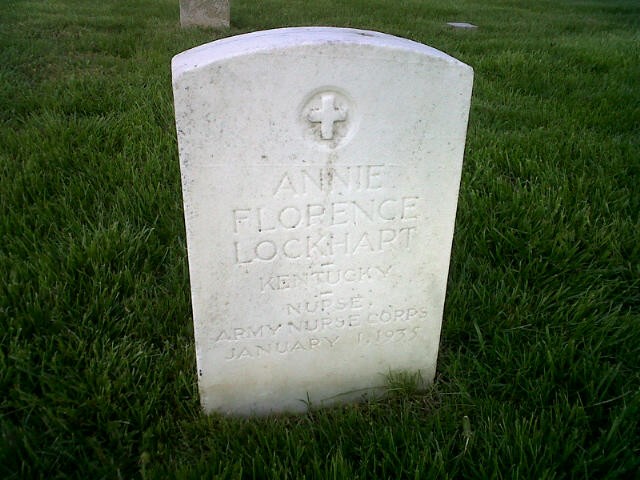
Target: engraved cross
[(327, 115)]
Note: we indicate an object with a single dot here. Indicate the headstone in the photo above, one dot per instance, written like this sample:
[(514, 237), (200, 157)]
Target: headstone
[(463, 25), (204, 13), (320, 173)]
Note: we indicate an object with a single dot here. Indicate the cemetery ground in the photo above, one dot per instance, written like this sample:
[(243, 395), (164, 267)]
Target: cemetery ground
[(539, 366)]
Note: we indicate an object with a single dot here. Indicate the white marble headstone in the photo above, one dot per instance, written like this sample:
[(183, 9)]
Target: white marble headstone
[(205, 13), (462, 25), (320, 174)]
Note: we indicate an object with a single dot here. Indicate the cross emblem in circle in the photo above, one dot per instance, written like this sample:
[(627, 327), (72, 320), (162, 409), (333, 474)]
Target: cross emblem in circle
[(327, 115)]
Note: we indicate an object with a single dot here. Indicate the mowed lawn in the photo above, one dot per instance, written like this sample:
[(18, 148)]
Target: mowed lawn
[(539, 368)]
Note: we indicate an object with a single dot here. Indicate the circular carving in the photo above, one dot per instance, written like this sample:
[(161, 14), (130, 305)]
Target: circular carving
[(329, 118)]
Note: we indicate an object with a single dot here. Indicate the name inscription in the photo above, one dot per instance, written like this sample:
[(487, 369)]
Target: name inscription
[(301, 223)]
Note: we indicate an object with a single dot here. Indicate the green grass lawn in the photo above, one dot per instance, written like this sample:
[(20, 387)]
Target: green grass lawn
[(539, 369)]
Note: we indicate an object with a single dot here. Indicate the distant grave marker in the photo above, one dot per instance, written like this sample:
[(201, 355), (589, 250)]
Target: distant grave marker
[(320, 173), (462, 25), (205, 13)]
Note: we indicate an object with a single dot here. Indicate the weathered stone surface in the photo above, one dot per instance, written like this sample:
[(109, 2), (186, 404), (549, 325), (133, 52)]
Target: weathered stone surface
[(320, 173), (205, 13)]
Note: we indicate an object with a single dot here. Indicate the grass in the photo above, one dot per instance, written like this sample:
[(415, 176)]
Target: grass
[(539, 370)]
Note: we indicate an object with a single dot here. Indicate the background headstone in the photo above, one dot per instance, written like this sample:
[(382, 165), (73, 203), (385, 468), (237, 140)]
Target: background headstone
[(320, 173), (462, 25), (205, 13)]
